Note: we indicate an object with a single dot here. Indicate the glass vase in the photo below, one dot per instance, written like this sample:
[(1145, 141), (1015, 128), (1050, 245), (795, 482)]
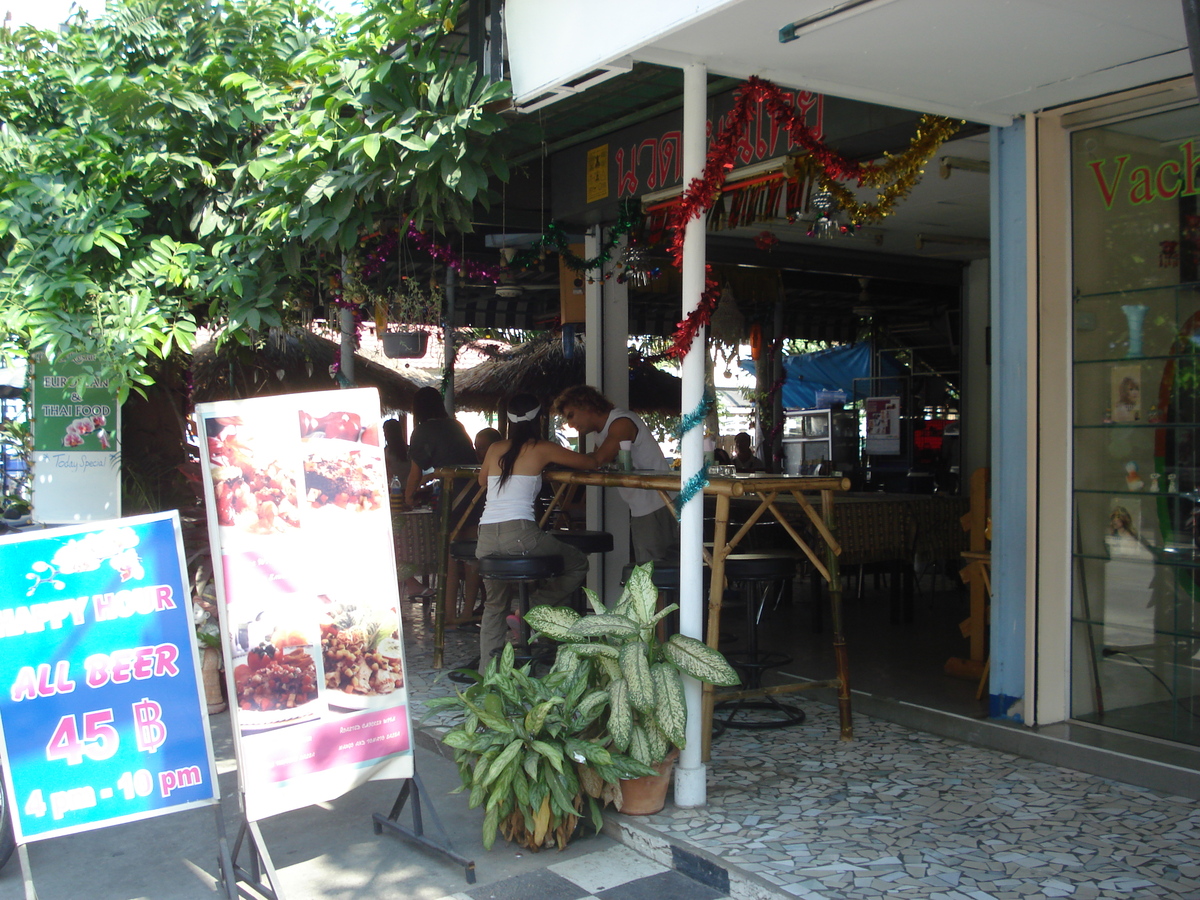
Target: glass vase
[(1135, 315)]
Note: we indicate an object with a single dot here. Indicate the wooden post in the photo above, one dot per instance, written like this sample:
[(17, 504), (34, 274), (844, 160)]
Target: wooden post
[(975, 573)]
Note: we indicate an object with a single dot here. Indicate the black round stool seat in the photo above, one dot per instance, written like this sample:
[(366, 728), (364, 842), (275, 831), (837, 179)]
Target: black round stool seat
[(585, 541), (464, 550), (759, 567), (523, 570), (755, 573), (520, 568)]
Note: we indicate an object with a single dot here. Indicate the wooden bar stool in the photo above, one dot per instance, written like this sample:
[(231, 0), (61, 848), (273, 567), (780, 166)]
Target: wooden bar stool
[(755, 575), (522, 571)]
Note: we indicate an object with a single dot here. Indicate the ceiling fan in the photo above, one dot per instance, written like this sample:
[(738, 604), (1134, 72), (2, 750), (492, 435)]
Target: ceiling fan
[(510, 284)]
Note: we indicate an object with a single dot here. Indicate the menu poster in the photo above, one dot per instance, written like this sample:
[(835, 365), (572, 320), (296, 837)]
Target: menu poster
[(101, 713), (76, 463), (883, 426), (300, 524)]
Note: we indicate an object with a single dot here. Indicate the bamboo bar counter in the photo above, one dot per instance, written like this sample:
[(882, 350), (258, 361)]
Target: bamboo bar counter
[(766, 490)]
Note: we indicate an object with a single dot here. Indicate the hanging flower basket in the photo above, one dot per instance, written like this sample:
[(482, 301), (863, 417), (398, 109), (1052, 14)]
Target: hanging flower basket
[(404, 344)]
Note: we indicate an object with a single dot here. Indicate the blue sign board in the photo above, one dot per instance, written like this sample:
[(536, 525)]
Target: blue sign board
[(101, 713)]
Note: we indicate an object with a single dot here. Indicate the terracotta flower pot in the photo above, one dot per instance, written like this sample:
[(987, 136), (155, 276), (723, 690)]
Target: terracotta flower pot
[(647, 795), (210, 671)]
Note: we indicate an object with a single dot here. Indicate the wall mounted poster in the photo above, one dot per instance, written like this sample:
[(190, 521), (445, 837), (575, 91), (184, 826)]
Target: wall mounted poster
[(883, 426), (101, 712), (300, 524)]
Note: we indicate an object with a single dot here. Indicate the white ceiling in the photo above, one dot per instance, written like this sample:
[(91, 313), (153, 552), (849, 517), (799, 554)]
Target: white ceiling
[(983, 60)]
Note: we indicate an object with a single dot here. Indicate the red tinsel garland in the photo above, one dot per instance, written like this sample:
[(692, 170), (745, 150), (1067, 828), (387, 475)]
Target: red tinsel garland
[(685, 331), (702, 192)]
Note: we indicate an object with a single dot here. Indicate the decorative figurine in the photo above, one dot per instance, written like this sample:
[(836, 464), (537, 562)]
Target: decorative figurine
[(1156, 415), (1133, 480), (1173, 483), (1153, 483), (1108, 417)]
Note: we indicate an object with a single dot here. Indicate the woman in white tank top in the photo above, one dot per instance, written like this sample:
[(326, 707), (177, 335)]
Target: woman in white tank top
[(512, 474)]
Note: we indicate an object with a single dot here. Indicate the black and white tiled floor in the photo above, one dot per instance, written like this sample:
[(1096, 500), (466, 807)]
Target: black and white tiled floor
[(617, 873), (895, 813)]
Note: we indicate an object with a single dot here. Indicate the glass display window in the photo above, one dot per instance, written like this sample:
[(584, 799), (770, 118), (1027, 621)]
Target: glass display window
[(1135, 648)]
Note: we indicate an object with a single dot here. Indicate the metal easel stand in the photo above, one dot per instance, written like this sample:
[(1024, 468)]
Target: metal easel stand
[(260, 864), (413, 787), (26, 872)]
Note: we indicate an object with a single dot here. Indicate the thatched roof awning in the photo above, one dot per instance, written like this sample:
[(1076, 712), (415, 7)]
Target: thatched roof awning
[(290, 362), (540, 367)]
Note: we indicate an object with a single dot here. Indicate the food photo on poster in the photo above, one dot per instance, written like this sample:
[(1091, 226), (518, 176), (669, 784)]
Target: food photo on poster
[(102, 714), (298, 512)]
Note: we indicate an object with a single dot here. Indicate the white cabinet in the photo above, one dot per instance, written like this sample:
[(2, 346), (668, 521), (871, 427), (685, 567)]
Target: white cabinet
[(820, 442)]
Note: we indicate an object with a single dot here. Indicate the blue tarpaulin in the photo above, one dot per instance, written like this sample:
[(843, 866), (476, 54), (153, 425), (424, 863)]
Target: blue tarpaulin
[(830, 370)]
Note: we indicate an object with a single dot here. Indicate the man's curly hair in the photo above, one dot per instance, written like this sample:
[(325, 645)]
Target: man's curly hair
[(583, 396)]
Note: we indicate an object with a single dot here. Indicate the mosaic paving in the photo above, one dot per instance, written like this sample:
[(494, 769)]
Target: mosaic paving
[(899, 813), (614, 874)]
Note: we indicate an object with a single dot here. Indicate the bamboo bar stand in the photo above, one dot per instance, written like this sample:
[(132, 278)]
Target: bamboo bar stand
[(766, 489)]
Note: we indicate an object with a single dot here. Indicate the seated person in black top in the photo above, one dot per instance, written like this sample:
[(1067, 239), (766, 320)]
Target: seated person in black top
[(437, 440)]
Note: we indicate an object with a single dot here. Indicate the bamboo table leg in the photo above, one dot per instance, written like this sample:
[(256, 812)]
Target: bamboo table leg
[(441, 600)]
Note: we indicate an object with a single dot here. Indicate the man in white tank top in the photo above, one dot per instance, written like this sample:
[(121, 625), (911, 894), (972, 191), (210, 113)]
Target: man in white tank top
[(652, 525)]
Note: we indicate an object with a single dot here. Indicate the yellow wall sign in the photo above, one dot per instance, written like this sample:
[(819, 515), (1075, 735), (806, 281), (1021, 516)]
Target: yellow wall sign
[(597, 173)]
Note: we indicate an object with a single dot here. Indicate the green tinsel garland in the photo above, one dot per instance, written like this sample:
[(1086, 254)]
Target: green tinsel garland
[(696, 483), (556, 239)]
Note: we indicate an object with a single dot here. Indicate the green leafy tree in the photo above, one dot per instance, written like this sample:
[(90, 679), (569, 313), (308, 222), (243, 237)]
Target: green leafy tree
[(177, 163)]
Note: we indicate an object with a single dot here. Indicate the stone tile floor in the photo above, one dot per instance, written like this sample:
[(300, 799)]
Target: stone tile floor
[(898, 813), (614, 874)]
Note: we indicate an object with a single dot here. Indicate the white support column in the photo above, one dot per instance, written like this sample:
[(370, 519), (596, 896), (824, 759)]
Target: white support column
[(690, 786), (606, 368)]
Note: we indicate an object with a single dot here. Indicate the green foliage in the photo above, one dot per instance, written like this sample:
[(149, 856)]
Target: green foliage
[(16, 437), (532, 753), (618, 651), (178, 163)]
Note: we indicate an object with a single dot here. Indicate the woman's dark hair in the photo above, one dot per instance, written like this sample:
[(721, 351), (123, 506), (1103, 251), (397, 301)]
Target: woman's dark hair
[(527, 408), (393, 438), (427, 404)]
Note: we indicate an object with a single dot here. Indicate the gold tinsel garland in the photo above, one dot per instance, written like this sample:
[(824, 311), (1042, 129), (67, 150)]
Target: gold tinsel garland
[(897, 177)]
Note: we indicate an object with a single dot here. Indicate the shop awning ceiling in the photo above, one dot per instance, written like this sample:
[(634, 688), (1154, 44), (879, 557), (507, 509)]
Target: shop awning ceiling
[(982, 60), (828, 291)]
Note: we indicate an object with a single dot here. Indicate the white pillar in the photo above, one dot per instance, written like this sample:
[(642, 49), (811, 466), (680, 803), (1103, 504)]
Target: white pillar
[(606, 368), (690, 786)]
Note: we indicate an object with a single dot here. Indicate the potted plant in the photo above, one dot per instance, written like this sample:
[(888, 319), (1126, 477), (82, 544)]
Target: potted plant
[(532, 752), (17, 511), (646, 715)]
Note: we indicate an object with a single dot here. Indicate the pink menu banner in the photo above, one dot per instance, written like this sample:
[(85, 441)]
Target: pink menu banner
[(300, 525)]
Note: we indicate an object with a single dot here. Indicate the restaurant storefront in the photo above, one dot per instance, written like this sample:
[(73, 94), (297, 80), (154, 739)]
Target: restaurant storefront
[(1091, 189), (1118, 620)]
